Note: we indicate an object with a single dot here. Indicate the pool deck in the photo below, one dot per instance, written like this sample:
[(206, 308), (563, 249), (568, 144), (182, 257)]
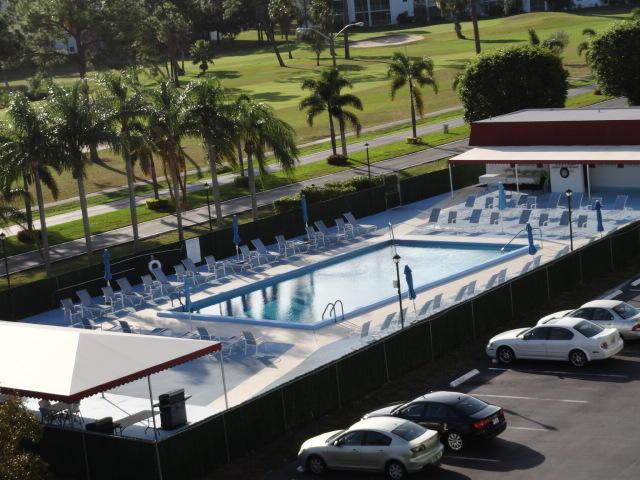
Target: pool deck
[(289, 353)]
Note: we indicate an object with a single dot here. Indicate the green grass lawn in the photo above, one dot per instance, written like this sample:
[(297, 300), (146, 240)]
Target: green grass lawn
[(254, 70)]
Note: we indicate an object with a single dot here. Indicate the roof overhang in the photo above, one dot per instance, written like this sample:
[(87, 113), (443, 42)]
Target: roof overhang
[(68, 364), (552, 154)]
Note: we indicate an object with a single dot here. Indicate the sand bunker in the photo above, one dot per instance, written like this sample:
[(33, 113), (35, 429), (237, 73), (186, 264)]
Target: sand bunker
[(387, 41)]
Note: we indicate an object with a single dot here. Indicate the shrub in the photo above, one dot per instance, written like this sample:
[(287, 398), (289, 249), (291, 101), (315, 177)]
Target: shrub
[(28, 236), (337, 160), (414, 140), (404, 18), (160, 205), (243, 182), (287, 203)]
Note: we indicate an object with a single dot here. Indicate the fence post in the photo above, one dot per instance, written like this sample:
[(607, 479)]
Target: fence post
[(386, 365)]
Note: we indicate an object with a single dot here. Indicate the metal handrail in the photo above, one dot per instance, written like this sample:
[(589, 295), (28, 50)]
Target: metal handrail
[(516, 236), (331, 306)]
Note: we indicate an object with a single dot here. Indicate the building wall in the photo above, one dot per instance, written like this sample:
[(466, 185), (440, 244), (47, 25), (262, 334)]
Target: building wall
[(575, 180), (610, 176), (372, 12)]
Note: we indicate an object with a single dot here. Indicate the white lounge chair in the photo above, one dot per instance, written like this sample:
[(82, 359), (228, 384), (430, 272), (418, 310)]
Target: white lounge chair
[(198, 276), (250, 258), (315, 238), (168, 287), (214, 266), (288, 247), (113, 299), (250, 340), (358, 226), (127, 291), (89, 307), (71, 311), (263, 252), (322, 228), (345, 229)]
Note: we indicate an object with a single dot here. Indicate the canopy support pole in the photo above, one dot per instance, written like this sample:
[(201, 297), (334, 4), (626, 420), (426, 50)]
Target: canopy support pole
[(451, 179), (517, 181), (155, 428), (588, 183), (224, 381)]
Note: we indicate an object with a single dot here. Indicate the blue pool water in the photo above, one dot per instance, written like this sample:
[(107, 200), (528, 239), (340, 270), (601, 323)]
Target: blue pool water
[(360, 279)]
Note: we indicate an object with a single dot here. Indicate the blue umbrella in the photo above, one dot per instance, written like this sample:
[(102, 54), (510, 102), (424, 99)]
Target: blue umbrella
[(409, 277), (187, 297), (106, 260), (502, 197), (305, 212), (532, 247), (236, 233), (599, 216)]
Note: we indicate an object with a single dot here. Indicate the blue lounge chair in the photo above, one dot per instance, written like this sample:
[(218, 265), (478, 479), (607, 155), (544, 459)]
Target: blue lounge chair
[(434, 215), (475, 216), (543, 220), (494, 218), (553, 200), (471, 201), (522, 201), (452, 217), (488, 202), (582, 221), (525, 216)]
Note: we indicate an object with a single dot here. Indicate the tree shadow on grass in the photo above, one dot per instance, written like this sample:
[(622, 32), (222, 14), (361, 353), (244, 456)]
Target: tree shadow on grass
[(226, 74), (497, 40), (273, 97)]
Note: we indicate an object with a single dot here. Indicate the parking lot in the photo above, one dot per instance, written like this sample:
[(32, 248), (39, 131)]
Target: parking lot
[(564, 423)]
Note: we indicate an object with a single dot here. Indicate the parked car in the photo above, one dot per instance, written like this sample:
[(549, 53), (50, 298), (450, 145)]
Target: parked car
[(574, 339), (458, 418), (606, 313), (382, 444)]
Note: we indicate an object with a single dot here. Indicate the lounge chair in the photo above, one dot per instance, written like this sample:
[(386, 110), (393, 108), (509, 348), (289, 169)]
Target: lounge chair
[(492, 282), (364, 333), (196, 274), (536, 262), (322, 228), (89, 324), (315, 238), (166, 285), (249, 257), (522, 201), (526, 267), (470, 202), (151, 287), (543, 220), (553, 200), (562, 251), (452, 217), (285, 245), (214, 266), (227, 342), (423, 310), (494, 218), (250, 340), (70, 310), (471, 289), (127, 291), (343, 228), (358, 226), (181, 273), (532, 202), (461, 294), (88, 306), (621, 202), (502, 276), (525, 216), (386, 324), (125, 327), (582, 221), (564, 219), (434, 215), (113, 299), (488, 202), (474, 218), (263, 252)]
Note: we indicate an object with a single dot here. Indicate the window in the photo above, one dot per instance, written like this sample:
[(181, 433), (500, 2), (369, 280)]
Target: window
[(409, 431), (376, 439), (625, 310), (470, 405), (588, 329), (601, 314), (436, 411), (558, 333), (412, 411), (585, 313), (352, 439), (540, 333)]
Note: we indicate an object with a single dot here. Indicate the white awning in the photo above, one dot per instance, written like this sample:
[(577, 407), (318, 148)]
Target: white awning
[(68, 364), (546, 154)]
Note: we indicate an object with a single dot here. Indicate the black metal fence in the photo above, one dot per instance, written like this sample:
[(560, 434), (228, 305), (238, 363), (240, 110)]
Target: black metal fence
[(211, 443)]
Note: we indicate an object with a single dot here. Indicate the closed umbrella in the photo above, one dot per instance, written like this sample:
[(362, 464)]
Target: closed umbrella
[(236, 234), (305, 212), (502, 197), (187, 297), (599, 216), (106, 260), (408, 274), (532, 247)]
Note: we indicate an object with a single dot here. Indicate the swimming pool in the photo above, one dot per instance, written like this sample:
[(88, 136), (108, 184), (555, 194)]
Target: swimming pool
[(361, 279)]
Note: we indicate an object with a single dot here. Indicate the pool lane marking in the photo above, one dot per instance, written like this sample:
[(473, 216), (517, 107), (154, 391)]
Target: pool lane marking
[(460, 380), (514, 397), (473, 459), (553, 372)]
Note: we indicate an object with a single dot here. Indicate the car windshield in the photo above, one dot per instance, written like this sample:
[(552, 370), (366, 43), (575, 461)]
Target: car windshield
[(334, 436), (398, 407), (409, 431), (470, 405), (625, 310), (588, 329)]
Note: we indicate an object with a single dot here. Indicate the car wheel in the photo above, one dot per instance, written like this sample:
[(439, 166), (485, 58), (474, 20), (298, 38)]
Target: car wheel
[(578, 358), (506, 355), (395, 470), (316, 465), (454, 441)]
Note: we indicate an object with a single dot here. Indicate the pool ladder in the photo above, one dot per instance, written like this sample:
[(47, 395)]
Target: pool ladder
[(332, 309)]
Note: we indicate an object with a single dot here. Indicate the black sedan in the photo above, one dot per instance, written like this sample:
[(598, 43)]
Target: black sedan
[(458, 417)]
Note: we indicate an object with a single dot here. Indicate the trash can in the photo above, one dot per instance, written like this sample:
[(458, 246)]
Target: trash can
[(173, 413)]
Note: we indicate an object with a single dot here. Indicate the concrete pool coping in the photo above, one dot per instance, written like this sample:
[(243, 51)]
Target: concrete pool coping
[(517, 250)]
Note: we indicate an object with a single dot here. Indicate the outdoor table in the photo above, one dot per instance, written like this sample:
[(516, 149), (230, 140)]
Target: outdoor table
[(54, 411), (132, 420)]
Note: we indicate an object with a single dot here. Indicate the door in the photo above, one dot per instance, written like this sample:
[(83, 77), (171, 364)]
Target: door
[(435, 416), (345, 451), (413, 412), (533, 343), (560, 343), (602, 317), (585, 313), (374, 452)]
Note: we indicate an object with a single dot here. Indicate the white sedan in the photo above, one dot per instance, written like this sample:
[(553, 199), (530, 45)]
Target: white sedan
[(571, 339), (606, 313)]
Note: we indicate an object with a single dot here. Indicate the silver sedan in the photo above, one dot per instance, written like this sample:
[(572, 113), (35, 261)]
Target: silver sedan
[(379, 444), (606, 313)]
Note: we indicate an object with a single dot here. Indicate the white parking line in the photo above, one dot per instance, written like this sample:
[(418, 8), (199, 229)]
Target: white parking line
[(473, 459), (528, 398), (611, 295), (553, 372), (529, 428), (460, 380)]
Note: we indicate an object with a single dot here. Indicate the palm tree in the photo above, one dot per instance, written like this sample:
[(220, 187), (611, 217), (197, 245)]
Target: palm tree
[(261, 131), (30, 147), (202, 55), (585, 45), (125, 105), (326, 96), (415, 73), (168, 125), (79, 122), (211, 120)]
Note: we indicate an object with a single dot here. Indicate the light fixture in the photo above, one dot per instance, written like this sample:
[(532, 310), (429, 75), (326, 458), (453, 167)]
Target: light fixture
[(568, 193), (396, 258)]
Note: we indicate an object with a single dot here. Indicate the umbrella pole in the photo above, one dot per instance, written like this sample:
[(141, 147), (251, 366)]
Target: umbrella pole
[(237, 253), (224, 381), (155, 431)]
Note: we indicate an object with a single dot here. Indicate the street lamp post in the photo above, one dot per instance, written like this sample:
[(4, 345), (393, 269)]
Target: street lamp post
[(331, 38), (206, 187), (366, 145), (396, 260), (3, 236), (569, 193)]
